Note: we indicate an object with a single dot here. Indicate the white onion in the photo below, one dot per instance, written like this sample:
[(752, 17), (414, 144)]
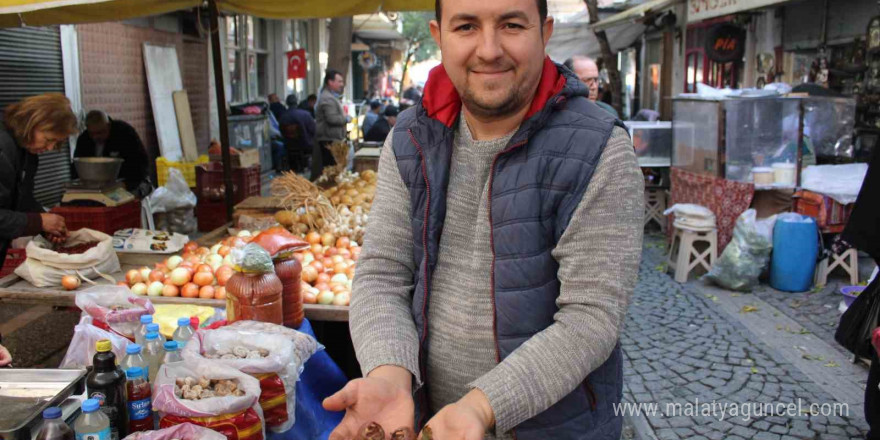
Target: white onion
[(155, 288), (139, 289), (173, 262)]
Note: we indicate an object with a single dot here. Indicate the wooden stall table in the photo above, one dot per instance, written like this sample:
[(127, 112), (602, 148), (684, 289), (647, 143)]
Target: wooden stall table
[(15, 290)]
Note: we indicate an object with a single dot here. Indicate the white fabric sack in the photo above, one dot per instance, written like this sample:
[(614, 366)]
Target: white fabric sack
[(281, 360), (44, 267), (82, 346)]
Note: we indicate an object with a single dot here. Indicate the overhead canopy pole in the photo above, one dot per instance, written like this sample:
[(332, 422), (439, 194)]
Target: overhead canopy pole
[(220, 89)]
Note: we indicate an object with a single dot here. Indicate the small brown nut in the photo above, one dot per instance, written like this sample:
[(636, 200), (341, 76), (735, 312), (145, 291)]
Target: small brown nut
[(206, 394), (205, 382), (370, 431), (238, 393), (403, 434), (190, 381), (196, 388), (179, 382), (190, 395)]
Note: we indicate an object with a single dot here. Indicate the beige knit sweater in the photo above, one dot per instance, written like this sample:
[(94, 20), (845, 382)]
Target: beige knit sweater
[(598, 259)]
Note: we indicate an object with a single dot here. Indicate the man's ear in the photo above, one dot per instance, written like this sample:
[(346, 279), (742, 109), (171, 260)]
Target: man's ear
[(547, 29), (435, 31)]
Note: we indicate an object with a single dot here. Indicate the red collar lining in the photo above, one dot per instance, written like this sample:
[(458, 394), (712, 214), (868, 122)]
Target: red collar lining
[(441, 100)]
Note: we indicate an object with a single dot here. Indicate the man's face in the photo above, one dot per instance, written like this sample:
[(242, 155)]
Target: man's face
[(99, 132), (336, 84), (588, 72), (493, 51), (391, 120), (273, 98)]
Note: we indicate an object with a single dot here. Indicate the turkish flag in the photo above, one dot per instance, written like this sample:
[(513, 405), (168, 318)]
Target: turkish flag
[(296, 64)]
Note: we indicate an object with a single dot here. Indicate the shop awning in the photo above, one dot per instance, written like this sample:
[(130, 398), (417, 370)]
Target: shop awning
[(15, 13), (633, 14)]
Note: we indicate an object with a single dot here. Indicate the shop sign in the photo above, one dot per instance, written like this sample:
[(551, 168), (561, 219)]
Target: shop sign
[(725, 42), (296, 64), (703, 9)]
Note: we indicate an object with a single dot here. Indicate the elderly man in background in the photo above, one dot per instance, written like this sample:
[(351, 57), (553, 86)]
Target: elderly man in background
[(586, 69), (107, 137)]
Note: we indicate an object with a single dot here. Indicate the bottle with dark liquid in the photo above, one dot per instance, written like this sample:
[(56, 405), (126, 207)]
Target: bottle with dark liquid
[(53, 427), (106, 384), (140, 409)]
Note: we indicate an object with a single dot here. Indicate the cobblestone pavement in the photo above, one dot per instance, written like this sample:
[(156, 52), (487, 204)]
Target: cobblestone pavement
[(816, 310), (680, 348)]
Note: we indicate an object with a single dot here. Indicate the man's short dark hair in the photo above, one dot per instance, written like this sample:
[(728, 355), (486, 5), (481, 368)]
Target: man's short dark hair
[(312, 97), (331, 75), (375, 104), (291, 100), (542, 10)]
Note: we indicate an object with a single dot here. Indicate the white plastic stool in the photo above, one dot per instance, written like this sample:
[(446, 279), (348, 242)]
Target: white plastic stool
[(848, 261), (655, 204), (685, 257)]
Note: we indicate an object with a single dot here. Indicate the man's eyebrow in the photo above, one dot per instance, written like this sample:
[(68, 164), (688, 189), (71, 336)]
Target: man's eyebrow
[(463, 17), (514, 14)]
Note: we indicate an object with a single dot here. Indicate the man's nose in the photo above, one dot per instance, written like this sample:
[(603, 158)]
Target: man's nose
[(489, 48)]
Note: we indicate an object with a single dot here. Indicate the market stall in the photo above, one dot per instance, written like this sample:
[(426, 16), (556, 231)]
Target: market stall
[(752, 150), (653, 145)]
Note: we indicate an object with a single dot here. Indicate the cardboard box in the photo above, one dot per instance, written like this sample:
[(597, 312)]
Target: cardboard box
[(246, 159)]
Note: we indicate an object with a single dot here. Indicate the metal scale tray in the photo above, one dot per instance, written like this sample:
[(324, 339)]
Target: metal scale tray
[(25, 393)]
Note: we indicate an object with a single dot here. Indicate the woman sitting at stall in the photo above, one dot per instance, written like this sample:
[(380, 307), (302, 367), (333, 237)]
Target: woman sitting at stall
[(32, 126)]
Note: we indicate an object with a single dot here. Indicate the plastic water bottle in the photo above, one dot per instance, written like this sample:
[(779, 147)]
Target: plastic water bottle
[(92, 424), (183, 333), (141, 331), (155, 328), (134, 358), (153, 354), (140, 411), (53, 428), (172, 354)]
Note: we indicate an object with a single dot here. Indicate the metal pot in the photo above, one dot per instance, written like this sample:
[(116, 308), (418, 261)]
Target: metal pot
[(97, 170)]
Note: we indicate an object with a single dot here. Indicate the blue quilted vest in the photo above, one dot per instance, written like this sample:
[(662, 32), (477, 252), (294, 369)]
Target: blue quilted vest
[(535, 185)]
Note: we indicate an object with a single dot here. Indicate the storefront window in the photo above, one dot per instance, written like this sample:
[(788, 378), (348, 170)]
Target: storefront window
[(248, 62)]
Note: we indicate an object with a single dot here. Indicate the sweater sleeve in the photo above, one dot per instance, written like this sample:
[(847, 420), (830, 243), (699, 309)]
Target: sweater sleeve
[(598, 257), (380, 319)]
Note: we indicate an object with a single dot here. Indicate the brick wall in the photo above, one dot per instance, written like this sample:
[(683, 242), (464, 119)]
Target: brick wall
[(114, 78)]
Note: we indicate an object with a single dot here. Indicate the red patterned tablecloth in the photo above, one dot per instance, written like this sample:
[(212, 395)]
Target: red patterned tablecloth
[(725, 198)]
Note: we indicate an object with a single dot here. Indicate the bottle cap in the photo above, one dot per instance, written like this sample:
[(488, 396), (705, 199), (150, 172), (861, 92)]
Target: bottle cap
[(153, 327), (194, 322), (90, 405), (171, 346), (151, 336), (146, 319), (103, 346), (133, 348), (134, 372), (53, 412), (182, 322)]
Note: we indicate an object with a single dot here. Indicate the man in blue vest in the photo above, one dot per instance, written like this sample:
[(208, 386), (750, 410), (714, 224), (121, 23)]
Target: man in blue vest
[(502, 247)]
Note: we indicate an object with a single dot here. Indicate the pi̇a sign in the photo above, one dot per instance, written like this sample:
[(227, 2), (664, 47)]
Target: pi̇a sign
[(725, 42)]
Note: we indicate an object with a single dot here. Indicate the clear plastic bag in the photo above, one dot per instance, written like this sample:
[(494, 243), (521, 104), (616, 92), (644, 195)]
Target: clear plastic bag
[(746, 256), (116, 306), (185, 431), (304, 345), (277, 372), (82, 347), (174, 195), (241, 416)]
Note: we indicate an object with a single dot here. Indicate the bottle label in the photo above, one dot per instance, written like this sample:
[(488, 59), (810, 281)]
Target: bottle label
[(100, 397), (103, 434), (139, 409)]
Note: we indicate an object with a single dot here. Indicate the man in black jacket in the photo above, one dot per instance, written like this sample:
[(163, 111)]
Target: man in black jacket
[(105, 137), (380, 129)]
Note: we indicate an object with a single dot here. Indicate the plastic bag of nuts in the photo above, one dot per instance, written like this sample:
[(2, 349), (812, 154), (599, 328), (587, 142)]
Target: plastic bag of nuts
[(184, 431), (236, 415), (268, 357)]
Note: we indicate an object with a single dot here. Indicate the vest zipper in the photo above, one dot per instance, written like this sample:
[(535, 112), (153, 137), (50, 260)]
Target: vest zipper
[(492, 245), (591, 395), (422, 367)]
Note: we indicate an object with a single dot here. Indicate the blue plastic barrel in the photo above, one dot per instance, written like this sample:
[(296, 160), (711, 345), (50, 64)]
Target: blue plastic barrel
[(795, 247)]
